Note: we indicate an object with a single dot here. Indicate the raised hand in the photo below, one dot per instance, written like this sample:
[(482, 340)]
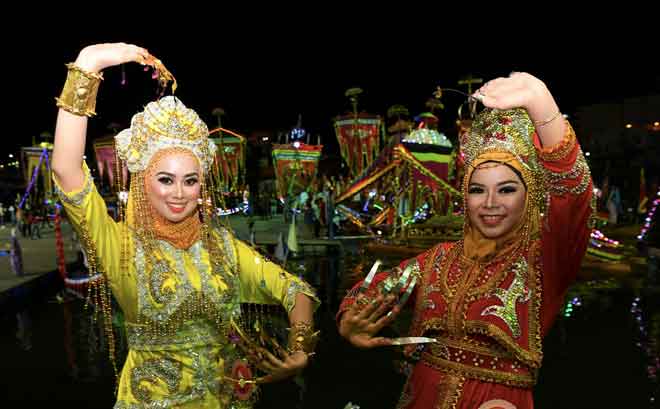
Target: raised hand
[(522, 90), (519, 90)]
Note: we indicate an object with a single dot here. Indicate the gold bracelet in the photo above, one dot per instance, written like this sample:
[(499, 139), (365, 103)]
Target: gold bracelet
[(547, 121), (80, 89), (303, 338)]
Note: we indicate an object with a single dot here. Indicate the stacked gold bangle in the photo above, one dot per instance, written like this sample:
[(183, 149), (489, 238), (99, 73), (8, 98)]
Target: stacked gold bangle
[(303, 338), (79, 94)]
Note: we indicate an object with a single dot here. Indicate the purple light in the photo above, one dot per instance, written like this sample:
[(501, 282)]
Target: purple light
[(366, 206), (44, 153)]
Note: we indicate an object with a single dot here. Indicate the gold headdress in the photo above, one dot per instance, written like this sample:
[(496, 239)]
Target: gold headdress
[(164, 124), (507, 132)]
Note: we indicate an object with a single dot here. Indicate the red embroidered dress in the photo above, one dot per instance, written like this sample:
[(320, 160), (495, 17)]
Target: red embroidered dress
[(490, 317)]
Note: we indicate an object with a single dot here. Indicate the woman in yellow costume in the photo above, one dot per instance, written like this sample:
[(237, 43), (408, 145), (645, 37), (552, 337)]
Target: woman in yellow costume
[(177, 276)]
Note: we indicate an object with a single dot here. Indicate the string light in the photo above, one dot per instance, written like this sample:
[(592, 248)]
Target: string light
[(604, 247), (570, 306), (646, 344), (649, 217), (422, 213), (599, 240)]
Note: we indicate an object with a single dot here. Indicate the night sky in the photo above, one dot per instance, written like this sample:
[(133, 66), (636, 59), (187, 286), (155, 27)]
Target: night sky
[(264, 73)]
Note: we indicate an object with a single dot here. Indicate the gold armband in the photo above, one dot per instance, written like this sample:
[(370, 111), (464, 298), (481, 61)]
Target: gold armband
[(303, 338), (79, 94)]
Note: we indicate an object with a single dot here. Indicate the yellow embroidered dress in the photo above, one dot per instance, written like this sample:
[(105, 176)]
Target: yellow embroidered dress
[(192, 364)]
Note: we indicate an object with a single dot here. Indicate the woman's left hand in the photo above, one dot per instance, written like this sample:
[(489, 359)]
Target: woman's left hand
[(286, 367), (518, 90), (522, 90)]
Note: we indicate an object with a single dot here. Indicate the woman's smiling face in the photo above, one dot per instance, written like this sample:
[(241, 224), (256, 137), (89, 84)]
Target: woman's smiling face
[(495, 199), (173, 185)]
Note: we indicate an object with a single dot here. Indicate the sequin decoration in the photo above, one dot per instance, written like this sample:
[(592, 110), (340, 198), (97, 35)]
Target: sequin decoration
[(159, 273), (154, 371), (297, 286), (515, 293), (78, 197), (580, 170)]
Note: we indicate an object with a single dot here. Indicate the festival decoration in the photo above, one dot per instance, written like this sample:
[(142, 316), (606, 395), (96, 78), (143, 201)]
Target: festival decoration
[(104, 151), (230, 159), (359, 140), (295, 167)]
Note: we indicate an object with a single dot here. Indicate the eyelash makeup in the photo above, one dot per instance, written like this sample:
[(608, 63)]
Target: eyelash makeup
[(508, 189), (168, 181), (504, 189)]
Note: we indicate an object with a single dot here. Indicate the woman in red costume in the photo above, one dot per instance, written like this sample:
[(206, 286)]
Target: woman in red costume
[(489, 299)]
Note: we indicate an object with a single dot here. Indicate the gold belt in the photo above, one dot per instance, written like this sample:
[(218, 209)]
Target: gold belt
[(474, 360)]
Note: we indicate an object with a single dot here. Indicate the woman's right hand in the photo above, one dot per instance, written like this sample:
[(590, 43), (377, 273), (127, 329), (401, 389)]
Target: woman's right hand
[(365, 318), (97, 57)]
